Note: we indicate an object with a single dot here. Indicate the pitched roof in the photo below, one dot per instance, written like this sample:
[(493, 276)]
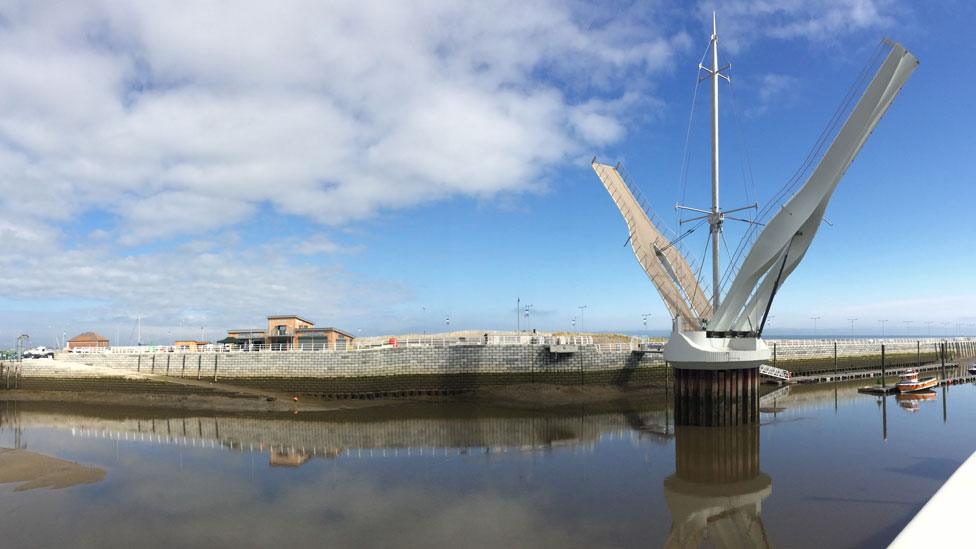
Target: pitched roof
[(88, 336)]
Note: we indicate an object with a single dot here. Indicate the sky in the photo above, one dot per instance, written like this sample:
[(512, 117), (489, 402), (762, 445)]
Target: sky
[(390, 167)]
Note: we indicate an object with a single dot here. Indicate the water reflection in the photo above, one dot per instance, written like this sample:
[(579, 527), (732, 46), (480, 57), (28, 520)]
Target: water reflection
[(463, 474), (910, 401), (716, 493)]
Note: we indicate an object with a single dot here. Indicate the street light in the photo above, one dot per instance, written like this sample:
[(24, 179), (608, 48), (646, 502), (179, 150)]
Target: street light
[(528, 317), (581, 308), (852, 320), (883, 327), (814, 319), (908, 325), (645, 317), (928, 327)]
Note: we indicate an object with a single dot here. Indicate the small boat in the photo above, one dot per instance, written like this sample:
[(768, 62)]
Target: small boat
[(972, 369), (909, 382)]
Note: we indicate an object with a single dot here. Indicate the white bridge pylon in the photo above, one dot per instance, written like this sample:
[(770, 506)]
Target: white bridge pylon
[(663, 262), (783, 241)]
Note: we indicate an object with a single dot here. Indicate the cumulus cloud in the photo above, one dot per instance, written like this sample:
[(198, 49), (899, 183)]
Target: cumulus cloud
[(180, 118)]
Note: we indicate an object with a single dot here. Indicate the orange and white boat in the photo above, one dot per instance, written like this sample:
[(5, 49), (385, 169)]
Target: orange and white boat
[(909, 382)]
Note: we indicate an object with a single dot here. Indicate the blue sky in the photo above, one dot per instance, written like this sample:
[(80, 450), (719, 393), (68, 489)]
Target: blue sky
[(383, 169)]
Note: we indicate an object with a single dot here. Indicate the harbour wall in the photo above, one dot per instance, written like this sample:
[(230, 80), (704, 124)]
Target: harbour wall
[(391, 371), (440, 370)]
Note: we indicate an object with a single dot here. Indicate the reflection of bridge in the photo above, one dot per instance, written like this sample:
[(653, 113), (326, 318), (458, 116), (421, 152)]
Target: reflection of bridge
[(716, 492)]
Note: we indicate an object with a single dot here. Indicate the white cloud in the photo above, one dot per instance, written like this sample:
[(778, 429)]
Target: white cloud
[(331, 111), (743, 22)]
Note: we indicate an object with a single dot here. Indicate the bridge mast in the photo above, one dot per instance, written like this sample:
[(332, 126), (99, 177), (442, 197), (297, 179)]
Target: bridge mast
[(715, 219)]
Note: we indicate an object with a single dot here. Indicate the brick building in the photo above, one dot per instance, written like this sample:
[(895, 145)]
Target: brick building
[(286, 332), (88, 340)]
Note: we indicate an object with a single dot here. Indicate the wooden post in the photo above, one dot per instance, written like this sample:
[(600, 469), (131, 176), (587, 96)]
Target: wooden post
[(942, 356), (183, 369), (882, 365), (138, 363), (167, 363), (918, 353), (835, 359), (152, 364), (199, 365), (774, 353), (215, 368)]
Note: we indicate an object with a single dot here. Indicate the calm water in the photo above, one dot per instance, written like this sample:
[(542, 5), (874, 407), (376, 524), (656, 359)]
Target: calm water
[(818, 472)]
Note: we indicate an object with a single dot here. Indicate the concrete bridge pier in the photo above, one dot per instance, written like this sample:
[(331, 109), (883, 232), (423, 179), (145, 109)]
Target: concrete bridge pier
[(716, 398)]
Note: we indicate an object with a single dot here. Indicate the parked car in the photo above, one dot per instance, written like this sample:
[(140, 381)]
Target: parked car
[(39, 352)]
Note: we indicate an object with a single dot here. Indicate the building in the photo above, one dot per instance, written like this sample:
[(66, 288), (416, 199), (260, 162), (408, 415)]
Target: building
[(88, 340), (189, 345), (286, 332)]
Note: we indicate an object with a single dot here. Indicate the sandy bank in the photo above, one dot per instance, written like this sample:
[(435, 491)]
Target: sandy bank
[(33, 471)]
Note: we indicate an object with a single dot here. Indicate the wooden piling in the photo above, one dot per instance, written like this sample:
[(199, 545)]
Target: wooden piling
[(883, 365), (716, 397)]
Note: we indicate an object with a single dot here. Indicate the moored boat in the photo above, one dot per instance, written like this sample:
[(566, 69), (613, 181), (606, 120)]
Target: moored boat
[(909, 382)]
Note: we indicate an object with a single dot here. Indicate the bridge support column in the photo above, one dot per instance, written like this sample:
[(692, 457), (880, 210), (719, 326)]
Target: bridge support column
[(714, 398)]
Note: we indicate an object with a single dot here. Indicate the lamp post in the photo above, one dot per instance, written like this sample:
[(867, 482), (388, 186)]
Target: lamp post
[(814, 319), (528, 318), (928, 328), (581, 308), (852, 321), (908, 327), (644, 317), (883, 322)]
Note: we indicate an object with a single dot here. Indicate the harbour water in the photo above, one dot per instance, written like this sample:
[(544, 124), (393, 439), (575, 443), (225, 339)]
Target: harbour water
[(826, 467)]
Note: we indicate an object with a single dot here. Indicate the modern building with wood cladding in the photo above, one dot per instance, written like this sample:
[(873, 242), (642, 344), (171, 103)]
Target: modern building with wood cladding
[(286, 332), (189, 345), (89, 340)]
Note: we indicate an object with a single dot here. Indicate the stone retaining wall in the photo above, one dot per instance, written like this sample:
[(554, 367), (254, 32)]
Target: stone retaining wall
[(450, 369)]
